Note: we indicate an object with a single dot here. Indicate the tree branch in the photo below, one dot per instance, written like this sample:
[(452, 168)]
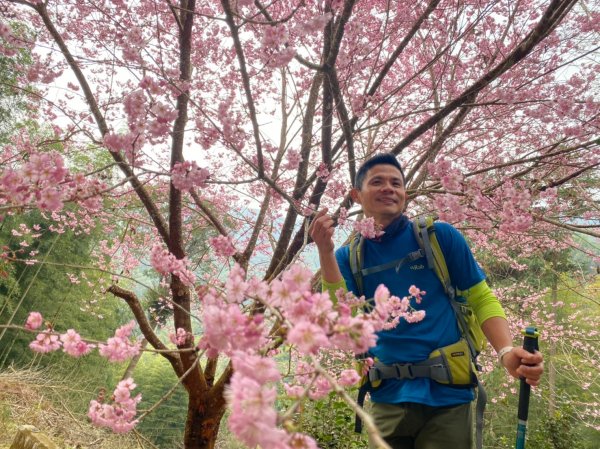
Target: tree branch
[(145, 198), (246, 83), (299, 187), (136, 308), (570, 227), (552, 16)]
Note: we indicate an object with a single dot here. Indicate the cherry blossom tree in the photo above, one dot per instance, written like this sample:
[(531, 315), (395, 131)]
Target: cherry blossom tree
[(243, 117)]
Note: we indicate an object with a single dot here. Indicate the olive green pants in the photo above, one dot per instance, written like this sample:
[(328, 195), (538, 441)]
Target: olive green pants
[(418, 426)]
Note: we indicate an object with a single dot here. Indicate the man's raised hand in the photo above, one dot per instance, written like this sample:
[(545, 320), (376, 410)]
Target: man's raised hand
[(321, 231)]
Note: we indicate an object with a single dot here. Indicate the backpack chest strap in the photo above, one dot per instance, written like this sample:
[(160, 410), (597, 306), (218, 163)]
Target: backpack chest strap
[(396, 264)]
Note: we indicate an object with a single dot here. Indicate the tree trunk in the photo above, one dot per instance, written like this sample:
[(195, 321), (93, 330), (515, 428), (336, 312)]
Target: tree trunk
[(202, 423)]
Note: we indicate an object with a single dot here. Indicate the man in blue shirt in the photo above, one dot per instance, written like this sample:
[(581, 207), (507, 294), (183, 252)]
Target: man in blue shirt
[(418, 413)]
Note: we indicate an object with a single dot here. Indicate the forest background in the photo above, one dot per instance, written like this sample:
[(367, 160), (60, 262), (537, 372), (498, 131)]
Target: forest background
[(160, 162)]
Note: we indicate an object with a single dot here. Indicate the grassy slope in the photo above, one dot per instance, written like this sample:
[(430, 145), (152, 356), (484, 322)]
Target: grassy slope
[(28, 397)]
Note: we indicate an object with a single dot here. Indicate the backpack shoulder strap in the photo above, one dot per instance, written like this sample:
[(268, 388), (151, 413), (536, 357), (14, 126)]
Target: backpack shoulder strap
[(357, 256), (356, 261), (424, 229)]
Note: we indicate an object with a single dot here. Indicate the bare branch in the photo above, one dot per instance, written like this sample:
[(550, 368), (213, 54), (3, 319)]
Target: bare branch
[(136, 308)]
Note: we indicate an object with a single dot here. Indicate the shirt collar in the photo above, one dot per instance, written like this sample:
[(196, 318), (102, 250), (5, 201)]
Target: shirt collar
[(395, 227)]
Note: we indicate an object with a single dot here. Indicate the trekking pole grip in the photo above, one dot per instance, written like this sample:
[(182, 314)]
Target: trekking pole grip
[(530, 344)]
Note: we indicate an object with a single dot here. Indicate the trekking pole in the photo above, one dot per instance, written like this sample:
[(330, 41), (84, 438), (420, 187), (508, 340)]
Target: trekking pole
[(530, 343)]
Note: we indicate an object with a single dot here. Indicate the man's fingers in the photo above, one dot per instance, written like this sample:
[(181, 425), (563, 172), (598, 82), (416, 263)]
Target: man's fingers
[(315, 219), (321, 212), (321, 221), (321, 229)]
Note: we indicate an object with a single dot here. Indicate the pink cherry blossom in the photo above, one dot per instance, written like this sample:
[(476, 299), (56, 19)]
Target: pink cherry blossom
[(34, 320), (74, 345), (259, 368), (274, 36), (349, 377), (187, 175), (315, 24), (5, 31), (120, 348), (120, 415), (228, 329), (323, 172), (223, 245), (367, 228), (181, 337), (166, 263), (320, 389), (293, 160), (253, 417), (45, 342), (293, 391), (308, 337), (416, 292)]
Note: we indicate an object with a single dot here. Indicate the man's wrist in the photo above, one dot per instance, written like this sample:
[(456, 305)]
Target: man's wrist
[(502, 352)]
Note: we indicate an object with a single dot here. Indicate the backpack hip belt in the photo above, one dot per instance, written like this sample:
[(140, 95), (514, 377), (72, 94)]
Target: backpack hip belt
[(450, 365), (433, 368)]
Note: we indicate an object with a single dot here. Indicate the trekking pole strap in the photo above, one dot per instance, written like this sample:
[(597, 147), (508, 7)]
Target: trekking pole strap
[(360, 400), (479, 411)]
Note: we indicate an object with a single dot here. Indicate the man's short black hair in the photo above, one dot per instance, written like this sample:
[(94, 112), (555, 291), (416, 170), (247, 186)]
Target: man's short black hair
[(380, 159)]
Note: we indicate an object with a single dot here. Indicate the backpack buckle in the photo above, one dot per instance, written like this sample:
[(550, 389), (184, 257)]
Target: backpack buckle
[(374, 374), (404, 370)]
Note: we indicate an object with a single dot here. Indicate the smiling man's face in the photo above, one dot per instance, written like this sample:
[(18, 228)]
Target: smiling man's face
[(382, 195)]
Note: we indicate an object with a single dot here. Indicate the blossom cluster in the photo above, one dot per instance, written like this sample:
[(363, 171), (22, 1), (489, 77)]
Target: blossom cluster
[(367, 228), (120, 347), (37, 180), (187, 175), (314, 25), (44, 182), (166, 263), (120, 415), (227, 327), (9, 43), (450, 208), (181, 337), (336, 189), (49, 341), (121, 142), (74, 345), (5, 31), (293, 159), (323, 172), (515, 209), (222, 245), (276, 51), (34, 320)]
